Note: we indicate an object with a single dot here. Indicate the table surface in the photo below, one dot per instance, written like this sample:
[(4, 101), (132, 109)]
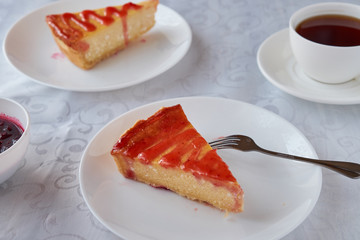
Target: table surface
[(42, 200)]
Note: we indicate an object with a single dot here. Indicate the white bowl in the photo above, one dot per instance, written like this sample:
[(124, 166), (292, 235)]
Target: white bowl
[(11, 158)]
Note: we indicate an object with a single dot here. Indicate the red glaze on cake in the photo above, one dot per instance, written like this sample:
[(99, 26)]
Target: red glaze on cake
[(165, 150), (90, 36)]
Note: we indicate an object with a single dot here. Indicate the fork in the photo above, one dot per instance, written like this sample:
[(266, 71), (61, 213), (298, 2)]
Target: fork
[(245, 143)]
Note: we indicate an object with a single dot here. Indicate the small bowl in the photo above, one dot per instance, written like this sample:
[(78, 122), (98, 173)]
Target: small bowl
[(11, 158)]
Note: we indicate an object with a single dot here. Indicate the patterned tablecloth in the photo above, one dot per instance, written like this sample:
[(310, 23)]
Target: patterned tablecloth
[(42, 200)]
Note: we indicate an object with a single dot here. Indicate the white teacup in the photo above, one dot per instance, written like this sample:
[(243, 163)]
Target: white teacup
[(325, 63)]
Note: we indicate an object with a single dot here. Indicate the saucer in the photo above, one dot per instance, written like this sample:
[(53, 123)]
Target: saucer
[(277, 63)]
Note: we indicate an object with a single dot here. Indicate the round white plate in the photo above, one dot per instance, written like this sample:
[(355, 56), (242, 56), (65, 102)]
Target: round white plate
[(277, 63), (279, 194), (31, 49)]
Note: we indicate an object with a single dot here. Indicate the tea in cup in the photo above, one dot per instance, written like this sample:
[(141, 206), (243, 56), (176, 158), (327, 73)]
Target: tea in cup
[(325, 40)]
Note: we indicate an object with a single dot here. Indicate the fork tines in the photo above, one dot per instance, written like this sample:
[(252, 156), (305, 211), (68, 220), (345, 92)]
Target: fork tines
[(225, 142)]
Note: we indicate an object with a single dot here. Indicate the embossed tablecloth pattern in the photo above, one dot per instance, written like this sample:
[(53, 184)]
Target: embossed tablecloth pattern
[(43, 199)]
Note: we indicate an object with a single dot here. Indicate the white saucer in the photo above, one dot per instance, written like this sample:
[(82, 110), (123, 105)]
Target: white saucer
[(277, 63)]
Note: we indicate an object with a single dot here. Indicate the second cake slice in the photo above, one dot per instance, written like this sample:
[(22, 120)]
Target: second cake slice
[(90, 36), (165, 150)]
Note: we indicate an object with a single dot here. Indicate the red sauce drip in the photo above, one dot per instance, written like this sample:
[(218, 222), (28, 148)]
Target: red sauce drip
[(82, 46), (130, 173), (58, 55), (123, 14), (10, 131)]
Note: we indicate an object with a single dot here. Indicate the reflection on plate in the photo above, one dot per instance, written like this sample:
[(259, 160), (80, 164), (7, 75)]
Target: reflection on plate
[(30, 48), (277, 63), (279, 194)]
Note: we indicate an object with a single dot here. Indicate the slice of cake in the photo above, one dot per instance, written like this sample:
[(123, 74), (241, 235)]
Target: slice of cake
[(90, 36), (166, 151)]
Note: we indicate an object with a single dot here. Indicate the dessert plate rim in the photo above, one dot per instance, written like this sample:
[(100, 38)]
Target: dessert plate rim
[(279, 194), (34, 53)]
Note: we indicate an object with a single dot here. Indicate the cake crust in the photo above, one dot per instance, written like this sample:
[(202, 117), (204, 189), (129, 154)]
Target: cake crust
[(166, 151)]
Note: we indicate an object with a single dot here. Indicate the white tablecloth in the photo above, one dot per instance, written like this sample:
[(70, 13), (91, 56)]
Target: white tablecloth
[(42, 200)]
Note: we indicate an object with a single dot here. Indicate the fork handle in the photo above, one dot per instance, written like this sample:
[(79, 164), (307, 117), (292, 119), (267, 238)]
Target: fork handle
[(348, 169)]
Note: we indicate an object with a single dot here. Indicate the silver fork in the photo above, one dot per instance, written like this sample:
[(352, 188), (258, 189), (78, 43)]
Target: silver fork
[(245, 143)]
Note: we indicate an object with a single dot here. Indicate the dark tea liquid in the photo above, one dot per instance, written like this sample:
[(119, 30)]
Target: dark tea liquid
[(334, 30)]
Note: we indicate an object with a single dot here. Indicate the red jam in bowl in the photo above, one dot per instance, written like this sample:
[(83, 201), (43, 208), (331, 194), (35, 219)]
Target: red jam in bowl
[(10, 131)]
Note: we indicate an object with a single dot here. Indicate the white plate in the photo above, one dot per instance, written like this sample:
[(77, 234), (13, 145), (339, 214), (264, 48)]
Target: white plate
[(31, 49), (277, 63), (279, 194)]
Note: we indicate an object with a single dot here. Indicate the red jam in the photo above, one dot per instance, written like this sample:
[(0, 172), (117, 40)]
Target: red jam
[(10, 131), (83, 20), (166, 137)]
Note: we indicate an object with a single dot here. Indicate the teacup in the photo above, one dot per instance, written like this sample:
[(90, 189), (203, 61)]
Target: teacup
[(325, 63)]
